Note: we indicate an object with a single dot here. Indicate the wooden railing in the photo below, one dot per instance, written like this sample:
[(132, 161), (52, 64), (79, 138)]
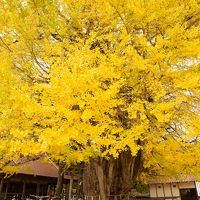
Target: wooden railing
[(118, 197), (128, 197), (9, 196), (17, 196), (166, 198), (173, 198)]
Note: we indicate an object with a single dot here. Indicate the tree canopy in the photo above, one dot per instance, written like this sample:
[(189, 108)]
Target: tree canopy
[(95, 78)]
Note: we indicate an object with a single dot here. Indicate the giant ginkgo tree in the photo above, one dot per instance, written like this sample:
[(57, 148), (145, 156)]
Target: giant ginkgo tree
[(114, 84)]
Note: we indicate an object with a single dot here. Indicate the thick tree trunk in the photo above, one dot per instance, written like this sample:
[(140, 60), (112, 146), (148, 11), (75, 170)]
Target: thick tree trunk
[(112, 177), (59, 185), (101, 179), (90, 180)]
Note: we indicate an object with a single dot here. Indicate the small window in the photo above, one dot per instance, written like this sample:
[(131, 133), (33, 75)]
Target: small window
[(174, 185), (159, 186)]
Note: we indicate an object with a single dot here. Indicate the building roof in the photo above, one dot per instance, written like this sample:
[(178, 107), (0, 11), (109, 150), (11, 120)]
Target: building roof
[(41, 168), (164, 179)]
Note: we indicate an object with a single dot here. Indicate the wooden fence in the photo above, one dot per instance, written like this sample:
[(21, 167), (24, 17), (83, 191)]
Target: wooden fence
[(128, 197), (15, 196), (118, 197)]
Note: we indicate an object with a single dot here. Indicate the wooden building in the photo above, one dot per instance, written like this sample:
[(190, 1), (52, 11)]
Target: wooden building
[(172, 189), (35, 178)]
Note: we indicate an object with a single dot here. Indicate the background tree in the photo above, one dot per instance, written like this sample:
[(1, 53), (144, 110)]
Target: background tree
[(111, 83)]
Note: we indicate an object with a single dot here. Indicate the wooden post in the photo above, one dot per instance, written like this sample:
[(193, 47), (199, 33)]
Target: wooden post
[(156, 190), (70, 188), (23, 190), (1, 185), (67, 191), (38, 189), (48, 189), (7, 185), (64, 191)]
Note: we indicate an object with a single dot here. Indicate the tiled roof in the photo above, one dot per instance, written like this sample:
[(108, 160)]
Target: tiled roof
[(41, 168), (159, 179)]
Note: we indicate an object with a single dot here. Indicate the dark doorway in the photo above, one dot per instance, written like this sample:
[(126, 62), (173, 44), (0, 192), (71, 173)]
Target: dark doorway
[(188, 194), (15, 187), (30, 189)]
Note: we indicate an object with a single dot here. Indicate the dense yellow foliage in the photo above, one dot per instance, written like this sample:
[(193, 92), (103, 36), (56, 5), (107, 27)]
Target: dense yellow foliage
[(90, 78)]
